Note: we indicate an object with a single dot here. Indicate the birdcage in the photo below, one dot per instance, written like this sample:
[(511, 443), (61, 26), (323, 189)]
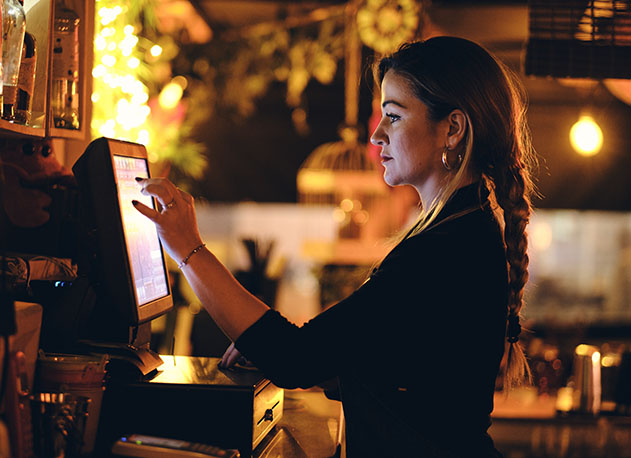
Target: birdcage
[(341, 175)]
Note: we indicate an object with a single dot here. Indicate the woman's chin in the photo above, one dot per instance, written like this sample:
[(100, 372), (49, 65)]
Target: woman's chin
[(389, 180)]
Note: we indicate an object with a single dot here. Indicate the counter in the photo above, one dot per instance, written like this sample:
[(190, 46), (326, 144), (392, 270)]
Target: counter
[(523, 426), (526, 425)]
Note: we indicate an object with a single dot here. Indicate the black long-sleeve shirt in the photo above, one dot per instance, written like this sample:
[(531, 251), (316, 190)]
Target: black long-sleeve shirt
[(416, 348)]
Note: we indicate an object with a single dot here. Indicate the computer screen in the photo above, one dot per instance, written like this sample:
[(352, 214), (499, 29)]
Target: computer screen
[(129, 271), (146, 259)]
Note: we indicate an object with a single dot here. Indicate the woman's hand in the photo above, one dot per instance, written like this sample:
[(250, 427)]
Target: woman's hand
[(230, 357), (176, 221)]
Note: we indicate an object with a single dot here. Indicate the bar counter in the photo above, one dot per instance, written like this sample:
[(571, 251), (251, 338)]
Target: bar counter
[(524, 424), (528, 425), (522, 427)]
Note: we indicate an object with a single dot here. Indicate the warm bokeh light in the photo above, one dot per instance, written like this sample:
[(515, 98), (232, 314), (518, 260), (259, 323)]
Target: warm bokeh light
[(108, 60), (586, 136), (346, 205), (596, 357), (361, 217), (115, 76), (582, 350), (564, 399), (610, 360), (170, 95), (133, 62), (541, 236)]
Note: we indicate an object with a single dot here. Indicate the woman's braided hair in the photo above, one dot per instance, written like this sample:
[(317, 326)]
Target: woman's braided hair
[(448, 73)]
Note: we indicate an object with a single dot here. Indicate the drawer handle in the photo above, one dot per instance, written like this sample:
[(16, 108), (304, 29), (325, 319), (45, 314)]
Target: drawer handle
[(268, 415)]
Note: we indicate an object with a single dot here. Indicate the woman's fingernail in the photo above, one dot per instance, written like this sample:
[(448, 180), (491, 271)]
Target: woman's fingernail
[(135, 202), (139, 179)]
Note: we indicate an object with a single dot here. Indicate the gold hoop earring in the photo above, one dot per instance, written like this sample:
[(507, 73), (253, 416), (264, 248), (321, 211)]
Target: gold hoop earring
[(445, 160)]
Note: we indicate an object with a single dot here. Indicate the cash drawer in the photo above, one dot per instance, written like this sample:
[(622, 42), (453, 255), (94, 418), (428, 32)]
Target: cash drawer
[(192, 399)]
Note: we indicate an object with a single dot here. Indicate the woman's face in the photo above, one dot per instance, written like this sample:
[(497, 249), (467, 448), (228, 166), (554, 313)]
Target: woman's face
[(411, 143)]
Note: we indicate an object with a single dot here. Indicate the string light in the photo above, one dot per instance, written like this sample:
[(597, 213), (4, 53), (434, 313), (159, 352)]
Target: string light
[(116, 84), (108, 60), (122, 100)]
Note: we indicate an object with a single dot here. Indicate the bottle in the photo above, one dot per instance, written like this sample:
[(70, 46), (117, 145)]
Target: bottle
[(1, 69), (65, 96), (13, 29), (26, 80)]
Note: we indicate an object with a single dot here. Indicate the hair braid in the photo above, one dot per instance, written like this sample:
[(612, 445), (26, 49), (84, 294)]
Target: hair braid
[(512, 190)]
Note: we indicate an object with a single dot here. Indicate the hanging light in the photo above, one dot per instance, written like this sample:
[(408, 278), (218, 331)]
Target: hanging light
[(586, 136)]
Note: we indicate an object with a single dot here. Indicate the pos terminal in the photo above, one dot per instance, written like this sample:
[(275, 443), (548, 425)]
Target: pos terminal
[(172, 397)]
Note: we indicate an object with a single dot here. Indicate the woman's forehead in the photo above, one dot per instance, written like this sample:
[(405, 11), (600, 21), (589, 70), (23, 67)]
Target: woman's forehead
[(395, 86), (397, 90)]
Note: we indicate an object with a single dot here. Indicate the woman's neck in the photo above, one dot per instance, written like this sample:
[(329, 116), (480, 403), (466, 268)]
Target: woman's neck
[(430, 189)]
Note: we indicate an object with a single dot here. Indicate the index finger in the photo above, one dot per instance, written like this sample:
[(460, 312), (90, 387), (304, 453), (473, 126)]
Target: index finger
[(147, 211), (159, 188)]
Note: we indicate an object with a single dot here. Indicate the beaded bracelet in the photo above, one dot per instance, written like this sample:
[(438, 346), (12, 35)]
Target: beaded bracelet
[(185, 260)]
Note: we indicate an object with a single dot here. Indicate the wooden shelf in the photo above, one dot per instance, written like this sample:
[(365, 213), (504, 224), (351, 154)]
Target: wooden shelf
[(9, 129), (57, 132)]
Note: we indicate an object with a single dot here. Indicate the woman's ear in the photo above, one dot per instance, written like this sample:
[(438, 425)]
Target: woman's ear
[(457, 128)]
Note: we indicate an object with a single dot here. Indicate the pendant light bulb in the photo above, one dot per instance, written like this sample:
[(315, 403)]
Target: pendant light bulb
[(586, 136)]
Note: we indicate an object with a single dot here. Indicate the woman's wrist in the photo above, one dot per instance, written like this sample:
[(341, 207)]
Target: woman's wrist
[(185, 259)]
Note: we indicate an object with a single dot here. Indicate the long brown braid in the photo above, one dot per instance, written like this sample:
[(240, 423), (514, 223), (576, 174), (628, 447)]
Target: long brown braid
[(448, 73), (512, 189), (510, 175)]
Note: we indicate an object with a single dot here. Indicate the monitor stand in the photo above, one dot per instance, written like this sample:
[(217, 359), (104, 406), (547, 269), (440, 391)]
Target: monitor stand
[(128, 360), (125, 359)]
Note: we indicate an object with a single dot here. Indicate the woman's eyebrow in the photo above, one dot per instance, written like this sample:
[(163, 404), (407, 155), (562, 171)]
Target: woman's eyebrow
[(393, 102)]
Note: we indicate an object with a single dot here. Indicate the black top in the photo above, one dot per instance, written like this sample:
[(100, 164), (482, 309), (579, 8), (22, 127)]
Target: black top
[(416, 348)]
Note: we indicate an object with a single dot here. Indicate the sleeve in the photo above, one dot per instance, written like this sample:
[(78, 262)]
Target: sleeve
[(361, 329)]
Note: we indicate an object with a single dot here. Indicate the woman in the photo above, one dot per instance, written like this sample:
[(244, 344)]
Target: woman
[(417, 347)]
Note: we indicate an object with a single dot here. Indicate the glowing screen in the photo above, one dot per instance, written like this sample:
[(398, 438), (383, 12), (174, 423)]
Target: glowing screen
[(145, 254)]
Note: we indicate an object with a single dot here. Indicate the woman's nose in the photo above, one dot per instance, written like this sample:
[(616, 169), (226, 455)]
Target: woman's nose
[(378, 138)]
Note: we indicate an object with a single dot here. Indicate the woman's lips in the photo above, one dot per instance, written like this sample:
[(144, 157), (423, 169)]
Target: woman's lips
[(385, 159)]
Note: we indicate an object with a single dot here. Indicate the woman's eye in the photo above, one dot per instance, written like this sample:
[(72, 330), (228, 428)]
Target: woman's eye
[(393, 117)]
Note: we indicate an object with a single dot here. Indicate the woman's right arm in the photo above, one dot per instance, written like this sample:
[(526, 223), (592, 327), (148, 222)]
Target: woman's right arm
[(230, 305)]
